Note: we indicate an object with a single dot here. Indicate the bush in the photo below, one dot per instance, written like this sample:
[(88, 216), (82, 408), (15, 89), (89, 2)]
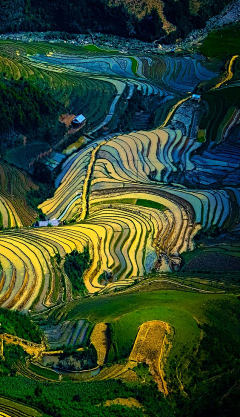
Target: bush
[(75, 265)]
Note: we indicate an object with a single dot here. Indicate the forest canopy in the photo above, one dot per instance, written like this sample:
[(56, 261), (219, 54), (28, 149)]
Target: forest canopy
[(28, 109), (80, 16)]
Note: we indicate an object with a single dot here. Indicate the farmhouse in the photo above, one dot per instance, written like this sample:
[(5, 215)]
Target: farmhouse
[(45, 223), (196, 97), (79, 121)]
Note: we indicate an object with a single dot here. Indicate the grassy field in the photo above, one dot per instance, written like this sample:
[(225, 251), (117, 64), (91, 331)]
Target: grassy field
[(204, 340), (152, 204), (222, 43), (219, 102), (126, 312), (94, 48), (46, 373), (16, 409)]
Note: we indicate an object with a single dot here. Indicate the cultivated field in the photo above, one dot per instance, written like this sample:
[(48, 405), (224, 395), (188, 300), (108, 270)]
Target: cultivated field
[(149, 347), (126, 212), (14, 210), (124, 196)]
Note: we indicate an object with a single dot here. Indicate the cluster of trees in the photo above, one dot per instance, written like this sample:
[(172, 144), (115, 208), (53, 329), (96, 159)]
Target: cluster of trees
[(178, 13), (79, 16), (28, 109), (19, 325), (12, 355), (74, 360), (75, 265), (86, 399)]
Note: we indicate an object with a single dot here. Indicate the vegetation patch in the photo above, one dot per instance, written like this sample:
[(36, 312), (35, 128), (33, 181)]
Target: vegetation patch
[(206, 261), (75, 265), (44, 372), (20, 325), (222, 43), (149, 346), (150, 203), (100, 341), (219, 102), (25, 108), (126, 402), (95, 48)]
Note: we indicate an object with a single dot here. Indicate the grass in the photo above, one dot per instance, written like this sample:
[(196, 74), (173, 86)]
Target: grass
[(116, 201), (19, 409), (138, 202), (46, 373), (126, 312), (219, 102), (94, 48), (151, 204), (222, 43), (134, 65)]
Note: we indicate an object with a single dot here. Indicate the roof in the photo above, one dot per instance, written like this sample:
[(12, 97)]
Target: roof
[(196, 96), (45, 223), (42, 223), (79, 119), (54, 222)]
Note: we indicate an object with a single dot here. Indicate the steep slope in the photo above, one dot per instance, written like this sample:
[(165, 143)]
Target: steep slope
[(145, 19)]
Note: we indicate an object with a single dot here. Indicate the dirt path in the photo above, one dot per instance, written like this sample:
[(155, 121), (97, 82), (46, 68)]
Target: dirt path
[(173, 109), (34, 349), (229, 73), (87, 181)]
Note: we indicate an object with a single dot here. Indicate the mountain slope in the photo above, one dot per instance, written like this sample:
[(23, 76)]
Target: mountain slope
[(145, 19)]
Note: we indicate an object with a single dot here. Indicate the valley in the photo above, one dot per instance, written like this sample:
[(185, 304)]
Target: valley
[(119, 238)]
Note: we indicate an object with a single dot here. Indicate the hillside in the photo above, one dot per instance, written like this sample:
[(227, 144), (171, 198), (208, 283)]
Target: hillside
[(119, 239), (146, 20)]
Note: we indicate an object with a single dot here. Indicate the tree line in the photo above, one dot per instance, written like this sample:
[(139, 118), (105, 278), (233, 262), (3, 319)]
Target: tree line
[(79, 16), (27, 109)]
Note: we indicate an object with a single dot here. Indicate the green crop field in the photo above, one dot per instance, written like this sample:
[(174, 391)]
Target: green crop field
[(222, 43), (219, 102), (134, 299), (189, 314), (16, 409), (126, 312)]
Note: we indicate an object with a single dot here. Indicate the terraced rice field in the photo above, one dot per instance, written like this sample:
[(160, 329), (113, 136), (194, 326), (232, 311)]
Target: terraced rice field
[(128, 214), (9, 408), (67, 333), (14, 210), (120, 195), (93, 81)]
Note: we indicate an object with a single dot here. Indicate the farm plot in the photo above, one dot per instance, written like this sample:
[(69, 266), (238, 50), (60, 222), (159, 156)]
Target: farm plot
[(9, 408), (82, 93), (67, 333), (149, 347), (100, 342), (180, 74), (14, 210), (125, 240), (119, 194)]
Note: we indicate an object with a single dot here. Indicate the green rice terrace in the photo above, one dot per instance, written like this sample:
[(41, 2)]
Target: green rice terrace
[(119, 240)]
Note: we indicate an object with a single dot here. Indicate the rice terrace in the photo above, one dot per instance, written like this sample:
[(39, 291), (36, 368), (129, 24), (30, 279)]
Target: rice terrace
[(120, 212)]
